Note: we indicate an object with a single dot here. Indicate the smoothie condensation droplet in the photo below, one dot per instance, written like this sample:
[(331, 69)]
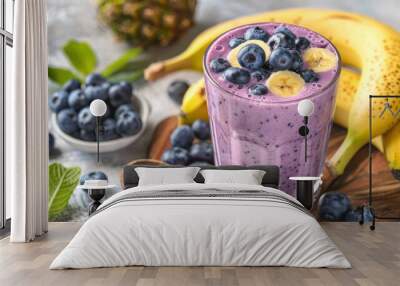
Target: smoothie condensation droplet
[(261, 128)]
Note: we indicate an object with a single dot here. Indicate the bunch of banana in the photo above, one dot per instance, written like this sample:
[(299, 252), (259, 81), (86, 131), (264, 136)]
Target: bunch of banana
[(378, 60), (195, 106)]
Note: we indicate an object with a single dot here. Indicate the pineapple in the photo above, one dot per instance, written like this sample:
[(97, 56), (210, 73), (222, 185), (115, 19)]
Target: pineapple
[(148, 22)]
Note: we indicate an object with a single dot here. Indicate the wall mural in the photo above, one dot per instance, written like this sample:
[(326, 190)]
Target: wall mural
[(268, 94)]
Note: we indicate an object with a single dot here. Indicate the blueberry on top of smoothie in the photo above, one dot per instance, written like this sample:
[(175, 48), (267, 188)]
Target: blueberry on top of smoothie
[(284, 30), (309, 76), (251, 56), (258, 89), (219, 65), (281, 59), (297, 64), (280, 40), (237, 75), (256, 33), (234, 42), (302, 43), (259, 75)]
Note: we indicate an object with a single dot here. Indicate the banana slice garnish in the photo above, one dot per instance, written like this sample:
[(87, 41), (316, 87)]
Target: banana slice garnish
[(320, 59), (285, 83), (232, 56)]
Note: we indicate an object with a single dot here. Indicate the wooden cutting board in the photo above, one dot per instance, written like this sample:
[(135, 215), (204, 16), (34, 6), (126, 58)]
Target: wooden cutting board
[(354, 182)]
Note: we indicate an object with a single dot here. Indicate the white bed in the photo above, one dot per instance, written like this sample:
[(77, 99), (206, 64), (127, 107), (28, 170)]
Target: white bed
[(221, 225)]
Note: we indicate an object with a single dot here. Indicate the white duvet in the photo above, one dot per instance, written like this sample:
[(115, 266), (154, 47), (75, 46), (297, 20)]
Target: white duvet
[(207, 230)]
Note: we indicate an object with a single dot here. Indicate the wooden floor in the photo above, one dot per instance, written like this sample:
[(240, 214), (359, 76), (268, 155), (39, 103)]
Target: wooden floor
[(375, 257)]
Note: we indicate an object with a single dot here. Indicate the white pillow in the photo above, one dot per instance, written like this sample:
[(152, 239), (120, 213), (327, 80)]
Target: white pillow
[(248, 177), (164, 176)]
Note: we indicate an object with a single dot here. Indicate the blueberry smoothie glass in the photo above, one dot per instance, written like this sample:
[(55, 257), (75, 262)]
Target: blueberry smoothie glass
[(255, 77)]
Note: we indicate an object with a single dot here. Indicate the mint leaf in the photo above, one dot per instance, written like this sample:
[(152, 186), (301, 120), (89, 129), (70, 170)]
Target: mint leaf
[(61, 75), (126, 76), (81, 56), (121, 62), (62, 183)]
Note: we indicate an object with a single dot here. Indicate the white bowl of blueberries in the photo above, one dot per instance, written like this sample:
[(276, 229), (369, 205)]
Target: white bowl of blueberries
[(123, 123)]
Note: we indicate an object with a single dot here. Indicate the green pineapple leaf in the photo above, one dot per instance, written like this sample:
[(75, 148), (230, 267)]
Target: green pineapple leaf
[(62, 183), (120, 63), (61, 75), (81, 56)]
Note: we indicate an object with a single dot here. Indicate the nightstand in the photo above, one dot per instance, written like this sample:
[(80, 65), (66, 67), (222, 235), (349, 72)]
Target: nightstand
[(305, 190)]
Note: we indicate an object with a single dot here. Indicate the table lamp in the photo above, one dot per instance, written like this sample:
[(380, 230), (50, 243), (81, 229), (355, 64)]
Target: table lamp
[(305, 108), (98, 108)]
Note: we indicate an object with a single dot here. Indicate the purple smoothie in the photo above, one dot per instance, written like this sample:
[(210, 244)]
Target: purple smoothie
[(263, 129)]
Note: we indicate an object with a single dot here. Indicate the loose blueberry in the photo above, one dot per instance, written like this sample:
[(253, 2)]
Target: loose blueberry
[(302, 43), (251, 56), (108, 130), (67, 120), (237, 75), (94, 175), (121, 109), (281, 59), (58, 101), (77, 100), (182, 137), (87, 135), (334, 206), (176, 156), (297, 64), (219, 65), (94, 79), (120, 94), (176, 90), (93, 92), (201, 129), (281, 40), (234, 42), (129, 123), (256, 33), (71, 85), (284, 30), (86, 120), (51, 143), (202, 152), (309, 76), (258, 89)]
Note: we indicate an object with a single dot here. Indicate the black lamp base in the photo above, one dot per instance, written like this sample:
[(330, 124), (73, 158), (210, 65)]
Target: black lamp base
[(372, 211), (96, 195)]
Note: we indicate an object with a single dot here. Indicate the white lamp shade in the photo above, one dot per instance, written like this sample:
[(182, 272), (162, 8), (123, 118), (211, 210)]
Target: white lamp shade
[(305, 107), (98, 107)]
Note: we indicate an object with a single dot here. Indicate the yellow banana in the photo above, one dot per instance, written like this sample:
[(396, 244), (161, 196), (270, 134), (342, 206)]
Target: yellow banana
[(347, 88), (192, 57), (362, 42), (391, 146), (388, 143), (194, 104)]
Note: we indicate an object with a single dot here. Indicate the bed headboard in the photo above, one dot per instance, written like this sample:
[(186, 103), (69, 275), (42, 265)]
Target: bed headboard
[(130, 178)]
